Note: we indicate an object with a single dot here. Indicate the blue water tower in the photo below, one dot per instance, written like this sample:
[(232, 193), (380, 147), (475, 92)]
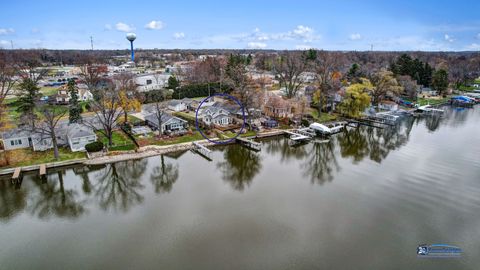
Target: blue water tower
[(131, 37)]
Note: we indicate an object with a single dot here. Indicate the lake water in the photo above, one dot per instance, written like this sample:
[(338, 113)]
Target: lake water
[(363, 200)]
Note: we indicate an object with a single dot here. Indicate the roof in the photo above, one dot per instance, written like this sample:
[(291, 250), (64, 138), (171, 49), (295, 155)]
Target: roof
[(174, 102), (16, 133), (152, 118), (79, 131)]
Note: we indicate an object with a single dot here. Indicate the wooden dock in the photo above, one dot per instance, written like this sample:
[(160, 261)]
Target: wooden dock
[(204, 151), (43, 170), (250, 143), (297, 136), (16, 173)]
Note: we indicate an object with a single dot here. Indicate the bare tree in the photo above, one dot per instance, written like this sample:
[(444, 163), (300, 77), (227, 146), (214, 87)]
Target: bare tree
[(159, 113), (92, 72), (50, 116), (326, 67), (410, 86), (289, 67), (107, 110), (7, 81)]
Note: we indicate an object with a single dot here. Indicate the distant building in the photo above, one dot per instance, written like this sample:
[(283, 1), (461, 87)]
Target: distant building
[(278, 107), (388, 105), (177, 105)]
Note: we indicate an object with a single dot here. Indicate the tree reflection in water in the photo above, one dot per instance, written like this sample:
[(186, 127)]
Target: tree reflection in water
[(12, 199), (240, 166), (118, 185), (321, 162), (164, 176), (54, 200), (280, 145), (375, 143)]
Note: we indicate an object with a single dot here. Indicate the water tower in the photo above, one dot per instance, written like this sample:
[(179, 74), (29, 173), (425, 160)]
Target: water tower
[(131, 37)]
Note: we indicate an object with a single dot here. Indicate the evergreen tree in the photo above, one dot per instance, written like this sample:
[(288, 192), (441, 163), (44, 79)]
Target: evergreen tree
[(29, 96), (172, 82), (440, 81), (74, 108)]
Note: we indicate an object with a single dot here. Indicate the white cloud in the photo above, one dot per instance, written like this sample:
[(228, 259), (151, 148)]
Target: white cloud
[(473, 47), (124, 27), (256, 45), (154, 25), (355, 36), (179, 35), (4, 43), (413, 43), (448, 38), (302, 31), (6, 31)]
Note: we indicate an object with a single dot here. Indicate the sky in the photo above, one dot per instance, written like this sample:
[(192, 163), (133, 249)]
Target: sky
[(331, 25)]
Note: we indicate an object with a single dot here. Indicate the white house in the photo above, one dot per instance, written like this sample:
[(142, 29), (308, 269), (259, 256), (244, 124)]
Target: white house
[(148, 82), (84, 95), (388, 105), (177, 105), (216, 116), (78, 136), (170, 124)]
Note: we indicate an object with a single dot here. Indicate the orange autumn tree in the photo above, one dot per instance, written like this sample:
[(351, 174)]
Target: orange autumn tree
[(128, 96), (128, 104)]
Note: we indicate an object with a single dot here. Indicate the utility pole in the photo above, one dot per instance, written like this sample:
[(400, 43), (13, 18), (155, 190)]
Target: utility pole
[(91, 42), (371, 47)]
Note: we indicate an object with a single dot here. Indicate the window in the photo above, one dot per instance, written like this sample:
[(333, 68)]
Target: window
[(16, 142)]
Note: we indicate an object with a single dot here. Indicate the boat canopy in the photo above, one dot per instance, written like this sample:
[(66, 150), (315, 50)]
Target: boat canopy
[(320, 128)]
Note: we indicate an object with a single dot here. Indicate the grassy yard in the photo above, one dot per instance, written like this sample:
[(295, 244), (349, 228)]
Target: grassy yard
[(26, 157), (120, 141), (432, 101), (186, 116), (134, 120), (324, 117), (153, 140), (48, 91)]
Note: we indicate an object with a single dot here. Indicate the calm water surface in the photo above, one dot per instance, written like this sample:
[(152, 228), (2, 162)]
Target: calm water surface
[(363, 200)]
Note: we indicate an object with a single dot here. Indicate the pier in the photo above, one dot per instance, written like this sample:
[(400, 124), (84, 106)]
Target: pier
[(299, 136), (249, 143), (43, 170), (16, 175), (204, 151)]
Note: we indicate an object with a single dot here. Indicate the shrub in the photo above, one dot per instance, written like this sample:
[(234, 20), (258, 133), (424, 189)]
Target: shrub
[(94, 147)]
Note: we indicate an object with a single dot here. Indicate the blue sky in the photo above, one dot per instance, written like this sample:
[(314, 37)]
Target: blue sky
[(332, 25)]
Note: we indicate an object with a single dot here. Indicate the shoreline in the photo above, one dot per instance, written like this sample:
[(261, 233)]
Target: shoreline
[(140, 153)]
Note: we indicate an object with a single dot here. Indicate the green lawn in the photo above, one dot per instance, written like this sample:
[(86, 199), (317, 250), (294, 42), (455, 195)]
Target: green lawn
[(120, 141), (324, 117), (27, 157), (134, 120), (48, 91), (431, 101), (185, 116)]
